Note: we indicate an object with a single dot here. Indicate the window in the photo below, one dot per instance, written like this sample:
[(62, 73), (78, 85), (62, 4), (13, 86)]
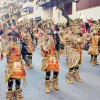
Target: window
[(94, 3), (85, 4), (68, 8), (82, 4)]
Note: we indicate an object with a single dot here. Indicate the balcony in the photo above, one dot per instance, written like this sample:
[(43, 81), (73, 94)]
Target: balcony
[(45, 3), (51, 3)]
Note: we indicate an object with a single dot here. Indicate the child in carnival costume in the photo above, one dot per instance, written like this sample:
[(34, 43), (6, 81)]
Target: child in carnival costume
[(15, 67), (94, 46), (49, 60), (74, 56)]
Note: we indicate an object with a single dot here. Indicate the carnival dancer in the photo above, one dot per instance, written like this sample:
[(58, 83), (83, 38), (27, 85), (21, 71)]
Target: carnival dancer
[(49, 60), (74, 59), (35, 32), (27, 49), (74, 56), (30, 48), (14, 68), (94, 47)]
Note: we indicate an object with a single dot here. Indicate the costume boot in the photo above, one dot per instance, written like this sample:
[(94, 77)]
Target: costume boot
[(29, 67), (47, 86), (93, 62), (14, 95), (76, 76), (55, 83), (19, 94), (96, 62), (69, 77), (9, 95)]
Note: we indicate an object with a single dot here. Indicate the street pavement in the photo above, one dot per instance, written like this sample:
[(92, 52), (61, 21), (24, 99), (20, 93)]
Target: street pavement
[(88, 89)]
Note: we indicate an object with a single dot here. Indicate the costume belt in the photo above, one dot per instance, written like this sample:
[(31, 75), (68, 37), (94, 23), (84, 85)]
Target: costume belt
[(9, 61)]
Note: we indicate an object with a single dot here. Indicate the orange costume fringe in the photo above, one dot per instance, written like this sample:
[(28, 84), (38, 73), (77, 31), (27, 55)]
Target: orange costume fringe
[(50, 60), (15, 65)]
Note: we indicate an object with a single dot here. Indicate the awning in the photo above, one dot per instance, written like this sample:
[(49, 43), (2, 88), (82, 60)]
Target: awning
[(28, 8)]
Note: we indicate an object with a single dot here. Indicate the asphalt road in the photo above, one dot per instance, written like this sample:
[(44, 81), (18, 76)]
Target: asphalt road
[(89, 89)]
